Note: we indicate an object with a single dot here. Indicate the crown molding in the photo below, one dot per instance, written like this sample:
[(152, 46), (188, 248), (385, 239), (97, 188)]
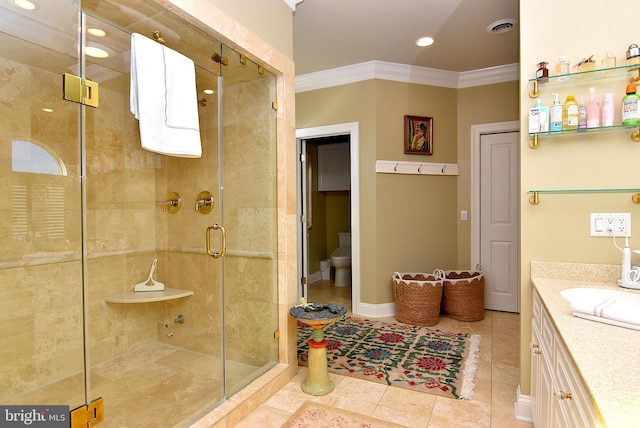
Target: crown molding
[(405, 73), (292, 4)]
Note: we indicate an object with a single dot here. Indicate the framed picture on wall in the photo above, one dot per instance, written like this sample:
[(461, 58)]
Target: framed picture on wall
[(418, 135)]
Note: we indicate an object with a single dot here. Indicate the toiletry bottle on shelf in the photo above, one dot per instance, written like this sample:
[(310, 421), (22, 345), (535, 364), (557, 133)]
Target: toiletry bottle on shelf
[(562, 66), (593, 110), (534, 118), (556, 114), (633, 55), (542, 74), (544, 117), (538, 118), (582, 115), (631, 106), (570, 114), (609, 60), (607, 109)]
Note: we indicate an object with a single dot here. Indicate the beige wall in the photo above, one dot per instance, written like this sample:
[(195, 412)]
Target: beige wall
[(477, 105), (409, 223), (270, 20), (558, 228)]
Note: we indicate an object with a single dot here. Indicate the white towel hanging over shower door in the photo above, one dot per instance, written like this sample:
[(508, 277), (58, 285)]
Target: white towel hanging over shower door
[(163, 98)]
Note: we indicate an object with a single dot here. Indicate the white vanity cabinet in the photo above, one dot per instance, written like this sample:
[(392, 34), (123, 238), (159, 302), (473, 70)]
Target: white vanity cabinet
[(559, 397)]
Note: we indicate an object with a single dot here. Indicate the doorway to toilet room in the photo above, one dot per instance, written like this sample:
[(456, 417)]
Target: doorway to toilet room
[(326, 206)]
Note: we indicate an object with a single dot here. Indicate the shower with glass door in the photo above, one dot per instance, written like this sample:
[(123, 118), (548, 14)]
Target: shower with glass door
[(90, 214)]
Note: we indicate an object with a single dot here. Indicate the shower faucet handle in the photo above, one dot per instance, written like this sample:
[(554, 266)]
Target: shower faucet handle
[(172, 203), (204, 202)]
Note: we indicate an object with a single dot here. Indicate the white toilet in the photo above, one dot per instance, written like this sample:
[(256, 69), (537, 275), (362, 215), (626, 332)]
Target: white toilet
[(341, 260)]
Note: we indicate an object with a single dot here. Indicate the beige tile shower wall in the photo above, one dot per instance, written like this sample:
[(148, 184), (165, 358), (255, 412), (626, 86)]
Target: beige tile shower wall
[(42, 326), (202, 312), (42, 320), (121, 224)]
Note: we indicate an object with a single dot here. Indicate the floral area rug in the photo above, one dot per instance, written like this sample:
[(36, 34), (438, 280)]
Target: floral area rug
[(315, 415), (417, 358)]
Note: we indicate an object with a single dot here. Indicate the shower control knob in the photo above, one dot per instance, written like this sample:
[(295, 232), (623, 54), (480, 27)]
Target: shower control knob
[(179, 320)]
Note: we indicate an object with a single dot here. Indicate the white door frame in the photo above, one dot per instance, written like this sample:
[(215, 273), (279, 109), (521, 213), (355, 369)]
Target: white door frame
[(352, 129), (476, 133)]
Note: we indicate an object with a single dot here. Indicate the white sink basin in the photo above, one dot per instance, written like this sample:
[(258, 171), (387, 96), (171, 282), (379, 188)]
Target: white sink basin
[(598, 295)]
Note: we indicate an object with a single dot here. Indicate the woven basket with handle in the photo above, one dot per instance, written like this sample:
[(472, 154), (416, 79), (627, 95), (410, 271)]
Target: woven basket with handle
[(417, 297), (463, 295)]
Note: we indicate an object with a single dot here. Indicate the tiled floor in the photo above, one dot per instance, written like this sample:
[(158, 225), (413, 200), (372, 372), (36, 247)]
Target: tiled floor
[(492, 405)]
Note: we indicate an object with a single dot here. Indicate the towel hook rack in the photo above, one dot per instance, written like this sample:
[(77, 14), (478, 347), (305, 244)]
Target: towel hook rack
[(157, 36), (395, 168), (420, 168)]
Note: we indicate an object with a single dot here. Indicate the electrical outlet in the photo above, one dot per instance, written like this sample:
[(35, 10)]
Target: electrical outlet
[(608, 224)]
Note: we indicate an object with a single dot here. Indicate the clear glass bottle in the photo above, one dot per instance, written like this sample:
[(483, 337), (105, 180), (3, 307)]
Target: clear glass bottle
[(562, 66), (609, 60)]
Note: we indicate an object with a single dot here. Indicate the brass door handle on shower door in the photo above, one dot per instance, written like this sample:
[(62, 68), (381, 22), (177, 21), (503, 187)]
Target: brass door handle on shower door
[(223, 242)]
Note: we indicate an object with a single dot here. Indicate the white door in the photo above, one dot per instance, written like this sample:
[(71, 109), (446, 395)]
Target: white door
[(499, 219)]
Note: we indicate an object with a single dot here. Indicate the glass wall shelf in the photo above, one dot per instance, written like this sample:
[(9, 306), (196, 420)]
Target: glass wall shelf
[(584, 76), (534, 141), (534, 199)]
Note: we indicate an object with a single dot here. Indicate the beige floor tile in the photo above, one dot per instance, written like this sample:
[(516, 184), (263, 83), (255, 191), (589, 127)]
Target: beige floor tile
[(362, 389), (496, 380), (505, 374), (448, 413), (264, 417), (408, 400), (400, 417)]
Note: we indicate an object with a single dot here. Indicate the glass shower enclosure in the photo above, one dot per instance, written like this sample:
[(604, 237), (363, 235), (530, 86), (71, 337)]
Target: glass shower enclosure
[(90, 214)]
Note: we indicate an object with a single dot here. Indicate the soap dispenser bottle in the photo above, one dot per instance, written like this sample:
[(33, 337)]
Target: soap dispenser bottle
[(556, 115)]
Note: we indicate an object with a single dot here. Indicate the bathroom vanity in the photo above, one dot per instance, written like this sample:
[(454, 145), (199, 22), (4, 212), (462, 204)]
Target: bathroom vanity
[(583, 373)]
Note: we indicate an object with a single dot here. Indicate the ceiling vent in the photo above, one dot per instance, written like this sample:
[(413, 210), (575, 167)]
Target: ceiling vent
[(501, 26)]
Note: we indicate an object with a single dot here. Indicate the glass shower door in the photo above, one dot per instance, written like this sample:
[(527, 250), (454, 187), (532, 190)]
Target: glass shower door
[(153, 360), (41, 288), (248, 197)]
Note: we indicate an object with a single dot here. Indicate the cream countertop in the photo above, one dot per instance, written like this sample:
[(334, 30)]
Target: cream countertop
[(607, 357)]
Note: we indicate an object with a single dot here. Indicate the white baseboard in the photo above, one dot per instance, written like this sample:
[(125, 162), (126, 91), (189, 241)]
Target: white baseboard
[(375, 311), (314, 277), (523, 407)]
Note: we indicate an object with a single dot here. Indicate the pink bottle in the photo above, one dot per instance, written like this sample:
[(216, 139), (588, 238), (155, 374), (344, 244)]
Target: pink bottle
[(593, 110)]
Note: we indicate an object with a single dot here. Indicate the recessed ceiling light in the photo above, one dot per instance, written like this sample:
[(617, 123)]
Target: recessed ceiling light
[(501, 26), (25, 4), (96, 51), (96, 32), (424, 41), (47, 110), (208, 91)]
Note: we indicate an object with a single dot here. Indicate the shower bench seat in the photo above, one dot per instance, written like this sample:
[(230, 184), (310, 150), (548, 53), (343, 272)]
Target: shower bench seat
[(148, 296)]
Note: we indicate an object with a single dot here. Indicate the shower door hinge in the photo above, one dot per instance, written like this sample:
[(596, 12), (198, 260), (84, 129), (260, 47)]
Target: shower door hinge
[(303, 218), (274, 105), (88, 416), (216, 57), (80, 90), (276, 334), (303, 280)]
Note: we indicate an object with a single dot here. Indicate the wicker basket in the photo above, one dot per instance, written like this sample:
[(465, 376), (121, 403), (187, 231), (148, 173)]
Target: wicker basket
[(417, 298), (463, 295)]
